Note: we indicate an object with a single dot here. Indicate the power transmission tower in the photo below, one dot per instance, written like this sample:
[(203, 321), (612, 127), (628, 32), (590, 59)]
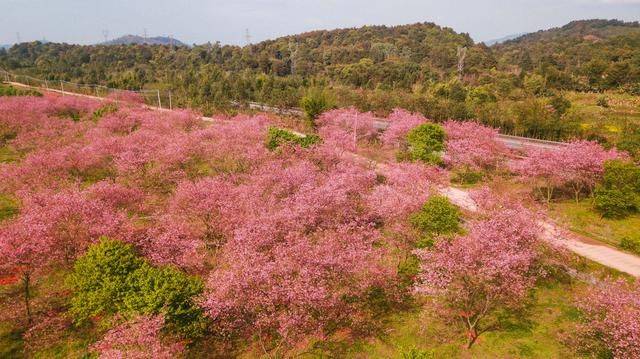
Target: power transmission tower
[(462, 54), (293, 50), (247, 37), (18, 38), (105, 34), (145, 35)]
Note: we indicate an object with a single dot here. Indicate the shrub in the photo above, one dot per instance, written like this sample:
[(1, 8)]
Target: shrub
[(277, 137), (104, 110), (631, 244), (467, 176), (100, 278), (560, 104), (169, 291), (426, 143), (602, 102), (631, 141), (437, 217), (12, 91), (111, 278), (619, 193), (314, 103)]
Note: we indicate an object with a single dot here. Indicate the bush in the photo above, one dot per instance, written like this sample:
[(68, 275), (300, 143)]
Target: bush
[(602, 101), (631, 244), (100, 278), (619, 193), (631, 141), (111, 278), (104, 110), (12, 91), (437, 217), (560, 104), (314, 103), (467, 176), (277, 137), (169, 291), (426, 143)]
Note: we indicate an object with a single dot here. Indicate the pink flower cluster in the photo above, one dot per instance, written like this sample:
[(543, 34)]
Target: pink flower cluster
[(612, 310), (137, 339), (344, 128), (578, 166), (490, 268), (400, 123), (471, 145)]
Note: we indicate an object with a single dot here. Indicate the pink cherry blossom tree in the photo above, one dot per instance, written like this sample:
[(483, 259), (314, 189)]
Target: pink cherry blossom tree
[(612, 317), (579, 165), (492, 268), (472, 146), (400, 123), (344, 128), (139, 338)]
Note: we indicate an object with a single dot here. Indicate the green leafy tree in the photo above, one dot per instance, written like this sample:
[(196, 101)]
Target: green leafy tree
[(111, 278), (438, 217), (426, 143), (619, 193), (277, 137), (100, 278), (631, 141), (314, 103)]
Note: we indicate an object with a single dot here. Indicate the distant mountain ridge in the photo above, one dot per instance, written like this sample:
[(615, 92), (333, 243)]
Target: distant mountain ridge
[(504, 39), (140, 40)]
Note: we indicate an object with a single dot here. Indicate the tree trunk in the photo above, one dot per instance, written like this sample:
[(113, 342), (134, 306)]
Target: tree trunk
[(473, 336), (26, 279)]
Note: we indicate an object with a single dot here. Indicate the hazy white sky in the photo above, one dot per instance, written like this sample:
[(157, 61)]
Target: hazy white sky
[(198, 21)]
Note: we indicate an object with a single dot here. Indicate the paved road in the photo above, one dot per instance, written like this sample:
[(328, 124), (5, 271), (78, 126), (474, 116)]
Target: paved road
[(597, 252)]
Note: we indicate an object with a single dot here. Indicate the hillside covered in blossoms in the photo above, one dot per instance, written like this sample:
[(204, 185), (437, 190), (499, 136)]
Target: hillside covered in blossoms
[(128, 232)]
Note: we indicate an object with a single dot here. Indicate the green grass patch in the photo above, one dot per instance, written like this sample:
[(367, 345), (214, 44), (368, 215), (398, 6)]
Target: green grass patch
[(8, 154), (583, 219), (8, 207), (422, 334)]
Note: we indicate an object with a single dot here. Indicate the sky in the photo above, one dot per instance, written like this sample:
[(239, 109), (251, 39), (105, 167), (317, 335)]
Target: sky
[(200, 21)]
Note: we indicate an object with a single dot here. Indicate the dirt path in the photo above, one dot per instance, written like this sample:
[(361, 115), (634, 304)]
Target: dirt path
[(597, 252)]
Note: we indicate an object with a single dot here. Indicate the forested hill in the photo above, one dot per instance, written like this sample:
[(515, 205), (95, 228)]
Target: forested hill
[(517, 85), (589, 54)]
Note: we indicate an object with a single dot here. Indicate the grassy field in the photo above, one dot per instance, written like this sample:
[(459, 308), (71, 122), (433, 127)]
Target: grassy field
[(419, 333), (608, 121), (582, 219)]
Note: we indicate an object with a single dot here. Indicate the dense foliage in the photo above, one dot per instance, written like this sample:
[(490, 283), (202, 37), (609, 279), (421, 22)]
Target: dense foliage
[(619, 193), (110, 278), (612, 319)]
